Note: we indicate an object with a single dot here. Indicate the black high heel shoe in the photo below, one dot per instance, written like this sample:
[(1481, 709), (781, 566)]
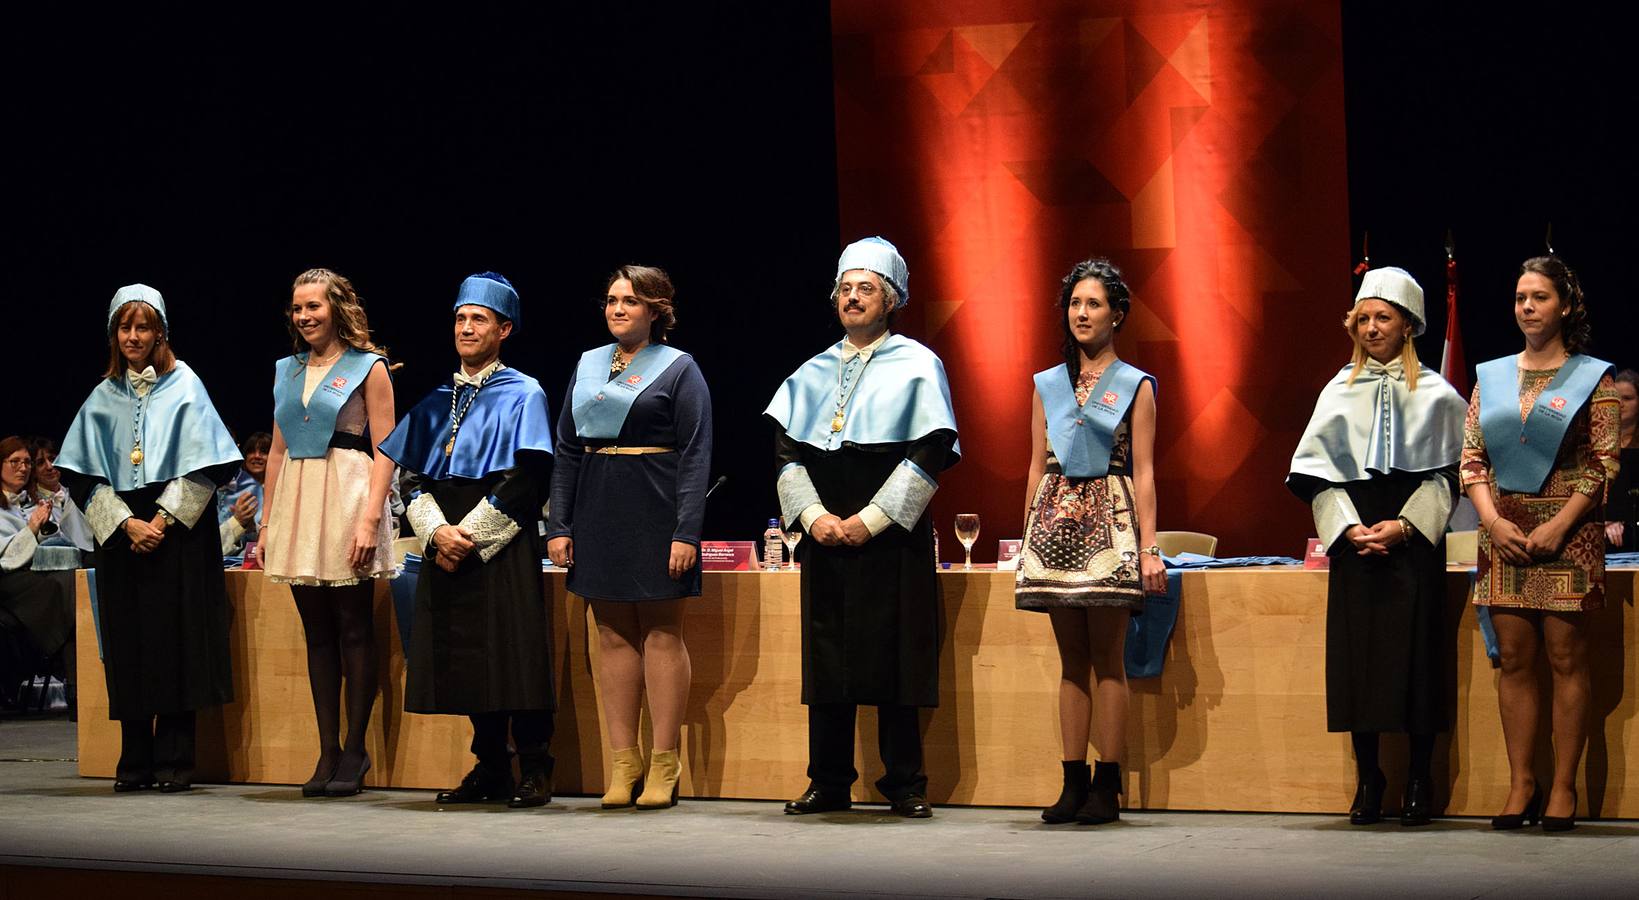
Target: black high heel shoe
[(348, 786), (1531, 816), (1367, 808), (1561, 823), (322, 775)]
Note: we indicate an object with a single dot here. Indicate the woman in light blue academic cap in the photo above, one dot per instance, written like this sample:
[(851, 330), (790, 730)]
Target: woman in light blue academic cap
[(1378, 466), (144, 458)]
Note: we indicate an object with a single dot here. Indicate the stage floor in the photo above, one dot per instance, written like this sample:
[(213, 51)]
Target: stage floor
[(398, 841)]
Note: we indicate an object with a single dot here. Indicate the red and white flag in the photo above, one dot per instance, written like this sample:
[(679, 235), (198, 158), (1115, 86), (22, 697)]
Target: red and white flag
[(1452, 366)]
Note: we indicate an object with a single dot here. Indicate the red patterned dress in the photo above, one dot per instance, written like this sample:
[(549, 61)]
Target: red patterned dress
[(1081, 536), (1574, 581)]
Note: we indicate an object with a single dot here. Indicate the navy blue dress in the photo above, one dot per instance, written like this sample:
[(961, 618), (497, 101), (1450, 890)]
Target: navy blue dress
[(623, 512)]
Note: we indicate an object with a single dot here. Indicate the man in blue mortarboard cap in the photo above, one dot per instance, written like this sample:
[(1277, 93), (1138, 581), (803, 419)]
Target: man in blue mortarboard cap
[(477, 453)]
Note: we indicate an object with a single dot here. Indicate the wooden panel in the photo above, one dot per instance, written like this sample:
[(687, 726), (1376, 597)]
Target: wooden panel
[(1237, 720)]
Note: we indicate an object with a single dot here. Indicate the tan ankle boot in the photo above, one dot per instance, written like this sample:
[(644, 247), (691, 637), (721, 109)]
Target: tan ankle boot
[(661, 788), (625, 771)]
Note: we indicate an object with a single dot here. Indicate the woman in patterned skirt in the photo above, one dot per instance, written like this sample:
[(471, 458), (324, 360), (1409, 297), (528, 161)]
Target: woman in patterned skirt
[(1539, 447), (1089, 541)]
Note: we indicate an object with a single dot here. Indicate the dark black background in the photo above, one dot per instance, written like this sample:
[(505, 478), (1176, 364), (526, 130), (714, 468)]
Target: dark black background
[(215, 154)]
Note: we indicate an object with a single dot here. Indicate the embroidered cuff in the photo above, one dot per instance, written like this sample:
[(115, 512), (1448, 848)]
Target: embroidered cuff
[(19, 551), (490, 528), (1334, 514), (106, 512), (796, 492), (426, 517), (185, 498), (876, 521), (905, 495), (1429, 508)]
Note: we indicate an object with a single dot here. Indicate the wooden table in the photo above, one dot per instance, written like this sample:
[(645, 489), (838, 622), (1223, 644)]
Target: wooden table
[(1236, 722)]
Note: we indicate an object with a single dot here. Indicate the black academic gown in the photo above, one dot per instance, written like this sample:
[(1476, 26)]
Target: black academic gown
[(481, 640), (871, 615), (1388, 647)]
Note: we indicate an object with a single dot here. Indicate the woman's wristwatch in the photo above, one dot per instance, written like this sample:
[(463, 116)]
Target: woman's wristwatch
[(1153, 550)]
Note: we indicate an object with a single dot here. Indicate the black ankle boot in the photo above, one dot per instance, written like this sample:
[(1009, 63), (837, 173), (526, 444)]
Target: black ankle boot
[(1103, 796), (1417, 805), (534, 781), (1078, 780), (1367, 808)]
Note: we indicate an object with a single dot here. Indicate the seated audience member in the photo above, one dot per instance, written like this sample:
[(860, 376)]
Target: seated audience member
[(239, 501), (1621, 510), (71, 529)]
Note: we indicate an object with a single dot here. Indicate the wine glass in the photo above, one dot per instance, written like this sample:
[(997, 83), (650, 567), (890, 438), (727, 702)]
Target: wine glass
[(967, 531), (790, 535)]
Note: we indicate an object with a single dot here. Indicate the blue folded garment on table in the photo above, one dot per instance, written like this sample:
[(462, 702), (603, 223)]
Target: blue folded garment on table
[(1148, 631), (404, 598), (1625, 560)]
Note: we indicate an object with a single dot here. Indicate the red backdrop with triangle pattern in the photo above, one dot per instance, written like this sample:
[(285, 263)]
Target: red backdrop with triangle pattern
[(1199, 145)]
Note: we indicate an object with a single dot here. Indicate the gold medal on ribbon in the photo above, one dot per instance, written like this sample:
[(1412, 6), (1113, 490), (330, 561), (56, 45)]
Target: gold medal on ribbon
[(836, 423), (449, 447), (136, 456)]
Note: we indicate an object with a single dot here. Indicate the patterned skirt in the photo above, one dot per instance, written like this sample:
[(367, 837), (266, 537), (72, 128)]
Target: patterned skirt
[(1573, 581), (310, 522), (1080, 545)]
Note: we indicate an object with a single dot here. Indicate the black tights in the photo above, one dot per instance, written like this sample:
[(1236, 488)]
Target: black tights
[(1365, 754), (341, 637)]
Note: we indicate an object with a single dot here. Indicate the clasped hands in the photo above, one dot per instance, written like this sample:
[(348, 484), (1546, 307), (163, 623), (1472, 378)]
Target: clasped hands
[(1376, 540), (452, 544), (561, 550), (145, 536), (1519, 549), (834, 531)]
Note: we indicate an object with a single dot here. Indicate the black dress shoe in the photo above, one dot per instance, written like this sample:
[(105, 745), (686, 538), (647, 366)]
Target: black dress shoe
[(1103, 804), (1417, 805), (323, 773), (533, 790), (914, 806), (1560, 823), (127, 785), (480, 786), (1367, 808), (815, 800), (174, 787)]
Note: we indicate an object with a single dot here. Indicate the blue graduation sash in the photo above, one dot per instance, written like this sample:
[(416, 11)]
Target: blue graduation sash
[(1081, 436), (1522, 454), (307, 429), (601, 404)]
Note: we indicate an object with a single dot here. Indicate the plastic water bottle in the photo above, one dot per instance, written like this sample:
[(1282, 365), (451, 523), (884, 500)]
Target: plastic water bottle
[(773, 546)]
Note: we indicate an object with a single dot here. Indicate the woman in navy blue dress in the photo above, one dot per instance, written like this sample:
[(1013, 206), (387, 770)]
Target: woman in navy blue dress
[(628, 497)]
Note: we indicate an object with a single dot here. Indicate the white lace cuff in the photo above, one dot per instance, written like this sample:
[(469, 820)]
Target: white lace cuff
[(1429, 508), (230, 532), (905, 495), (19, 550), (490, 528), (185, 498), (426, 517), (106, 512), (797, 492), (1334, 514)]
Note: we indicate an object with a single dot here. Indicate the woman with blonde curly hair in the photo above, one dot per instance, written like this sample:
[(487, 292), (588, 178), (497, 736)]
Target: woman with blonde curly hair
[(326, 531)]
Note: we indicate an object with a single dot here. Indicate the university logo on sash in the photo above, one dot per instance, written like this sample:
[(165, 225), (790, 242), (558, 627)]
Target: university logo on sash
[(339, 383), (1557, 403), (1111, 398)]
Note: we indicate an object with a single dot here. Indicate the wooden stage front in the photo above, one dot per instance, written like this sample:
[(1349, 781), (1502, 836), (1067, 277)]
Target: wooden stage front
[(1236, 722)]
